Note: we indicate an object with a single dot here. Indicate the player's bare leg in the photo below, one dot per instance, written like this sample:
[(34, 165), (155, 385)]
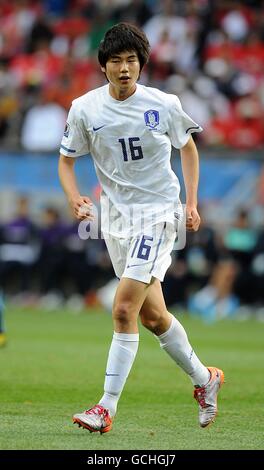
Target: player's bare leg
[(173, 339), (129, 298)]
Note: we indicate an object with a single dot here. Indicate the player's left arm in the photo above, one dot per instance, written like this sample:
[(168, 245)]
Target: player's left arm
[(190, 170)]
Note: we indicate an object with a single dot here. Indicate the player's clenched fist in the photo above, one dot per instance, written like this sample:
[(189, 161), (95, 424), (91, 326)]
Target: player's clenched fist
[(82, 208), (192, 220)]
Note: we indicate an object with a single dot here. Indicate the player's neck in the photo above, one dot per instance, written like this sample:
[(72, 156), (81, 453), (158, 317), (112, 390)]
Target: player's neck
[(119, 94)]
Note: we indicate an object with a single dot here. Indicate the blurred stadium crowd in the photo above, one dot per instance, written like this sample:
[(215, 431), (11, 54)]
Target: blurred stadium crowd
[(209, 52)]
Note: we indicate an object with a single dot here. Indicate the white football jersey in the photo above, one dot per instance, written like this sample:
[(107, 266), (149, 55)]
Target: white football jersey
[(130, 143)]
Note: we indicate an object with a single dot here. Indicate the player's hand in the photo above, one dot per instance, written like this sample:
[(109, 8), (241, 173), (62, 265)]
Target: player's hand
[(192, 219), (82, 208)]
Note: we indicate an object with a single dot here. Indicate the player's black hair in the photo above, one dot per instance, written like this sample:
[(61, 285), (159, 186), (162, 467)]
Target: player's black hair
[(124, 37)]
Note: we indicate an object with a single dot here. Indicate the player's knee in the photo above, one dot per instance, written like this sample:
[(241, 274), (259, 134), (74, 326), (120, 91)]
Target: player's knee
[(152, 322), (122, 312)]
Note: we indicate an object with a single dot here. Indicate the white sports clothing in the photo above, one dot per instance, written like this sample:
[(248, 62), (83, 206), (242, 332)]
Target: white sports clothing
[(130, 142), (175, 342), (143, 256), (121, 356)]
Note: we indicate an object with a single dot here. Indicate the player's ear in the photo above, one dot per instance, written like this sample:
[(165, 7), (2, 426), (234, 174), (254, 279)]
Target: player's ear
[(103, 69)]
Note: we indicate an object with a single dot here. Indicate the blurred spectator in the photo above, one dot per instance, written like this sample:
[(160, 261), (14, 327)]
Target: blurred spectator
[(236, 20), (9, 105), (162, 57), (206, 89), (166, 20), (201, 254), (240, 239), (40, 36), (243, 129), (74, 264), (19, 249), (16, 20), (52, 252), (240, 242), (216, 300), (175, 285), (192, 266), (257, 270), (192, 103), (56, 7), (76, 78), (136, 11), (69, 264), (43, 125)]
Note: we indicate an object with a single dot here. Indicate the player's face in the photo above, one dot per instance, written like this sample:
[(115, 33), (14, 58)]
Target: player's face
[(122, 71)]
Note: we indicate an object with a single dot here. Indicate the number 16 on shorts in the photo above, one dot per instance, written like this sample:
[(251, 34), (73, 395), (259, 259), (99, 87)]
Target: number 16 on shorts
[(149, 255)]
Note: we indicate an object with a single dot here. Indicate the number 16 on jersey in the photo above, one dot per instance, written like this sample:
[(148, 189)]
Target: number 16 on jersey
[(131, 150)]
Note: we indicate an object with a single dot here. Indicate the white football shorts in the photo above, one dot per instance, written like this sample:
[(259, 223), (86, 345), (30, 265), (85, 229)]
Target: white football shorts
[(145, 255)]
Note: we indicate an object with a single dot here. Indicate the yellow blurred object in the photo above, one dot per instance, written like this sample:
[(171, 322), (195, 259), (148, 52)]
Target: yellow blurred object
[(3, 339), (8, 105)]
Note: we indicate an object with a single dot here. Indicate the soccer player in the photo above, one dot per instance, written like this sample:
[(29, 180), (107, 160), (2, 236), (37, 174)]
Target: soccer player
[(129, 129)]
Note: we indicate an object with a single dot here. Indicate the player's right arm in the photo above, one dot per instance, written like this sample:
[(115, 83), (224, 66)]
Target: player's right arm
[(81, 205), (74, 144)]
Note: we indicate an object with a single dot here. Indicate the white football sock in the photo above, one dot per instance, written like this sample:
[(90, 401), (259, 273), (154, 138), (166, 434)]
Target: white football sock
[(175, 342), (121, 356)]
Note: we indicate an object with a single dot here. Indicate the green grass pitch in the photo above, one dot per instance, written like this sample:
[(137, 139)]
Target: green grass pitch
[(53, 366)]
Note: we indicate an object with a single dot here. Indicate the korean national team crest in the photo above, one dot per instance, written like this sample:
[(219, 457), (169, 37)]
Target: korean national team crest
[(151, 118)]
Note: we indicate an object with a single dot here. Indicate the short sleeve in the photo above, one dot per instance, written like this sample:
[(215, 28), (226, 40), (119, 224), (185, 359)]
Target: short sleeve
[(180, 125), (75, 141)]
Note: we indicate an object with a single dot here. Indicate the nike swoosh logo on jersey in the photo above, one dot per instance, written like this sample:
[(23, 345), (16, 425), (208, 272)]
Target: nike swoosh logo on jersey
[(97, 128)]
